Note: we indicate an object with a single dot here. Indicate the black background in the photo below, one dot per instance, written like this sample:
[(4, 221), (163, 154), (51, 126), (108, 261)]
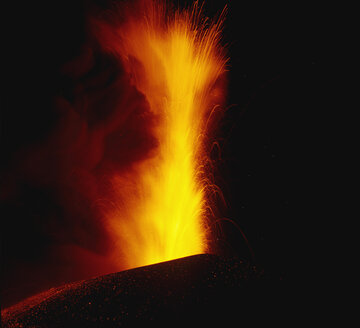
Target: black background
[(267, 168)]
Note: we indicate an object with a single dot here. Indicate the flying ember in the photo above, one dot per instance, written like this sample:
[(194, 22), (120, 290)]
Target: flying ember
[(174, 58)]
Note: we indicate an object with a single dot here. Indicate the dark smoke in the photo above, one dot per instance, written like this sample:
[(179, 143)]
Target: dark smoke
[(72, 120)]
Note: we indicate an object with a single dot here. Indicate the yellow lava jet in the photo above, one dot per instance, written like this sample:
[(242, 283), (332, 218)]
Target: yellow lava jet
[(175, 59)]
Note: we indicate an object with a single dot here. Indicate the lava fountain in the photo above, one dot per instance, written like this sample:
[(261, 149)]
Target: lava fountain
[(174, 58)]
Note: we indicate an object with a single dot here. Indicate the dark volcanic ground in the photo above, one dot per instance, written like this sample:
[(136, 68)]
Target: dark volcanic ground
[(196, 290)]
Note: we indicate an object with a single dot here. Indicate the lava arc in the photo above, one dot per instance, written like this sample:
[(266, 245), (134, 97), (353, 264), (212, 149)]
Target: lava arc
[(175, 59)]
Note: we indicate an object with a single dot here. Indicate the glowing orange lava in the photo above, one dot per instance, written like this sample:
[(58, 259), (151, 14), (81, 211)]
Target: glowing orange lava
[(174, 58)]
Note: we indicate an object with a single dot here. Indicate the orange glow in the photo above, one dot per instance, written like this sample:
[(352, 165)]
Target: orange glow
[(174, 59)]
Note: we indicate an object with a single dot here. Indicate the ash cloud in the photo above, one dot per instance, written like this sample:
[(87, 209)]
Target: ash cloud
[(74, 122)]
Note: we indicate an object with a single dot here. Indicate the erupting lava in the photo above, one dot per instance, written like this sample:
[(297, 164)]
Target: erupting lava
[(175, 59)]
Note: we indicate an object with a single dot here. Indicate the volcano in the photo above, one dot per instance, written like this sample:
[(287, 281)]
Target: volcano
[(200, 289)]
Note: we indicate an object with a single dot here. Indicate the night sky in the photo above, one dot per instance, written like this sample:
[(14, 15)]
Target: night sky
[(265, 167)]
